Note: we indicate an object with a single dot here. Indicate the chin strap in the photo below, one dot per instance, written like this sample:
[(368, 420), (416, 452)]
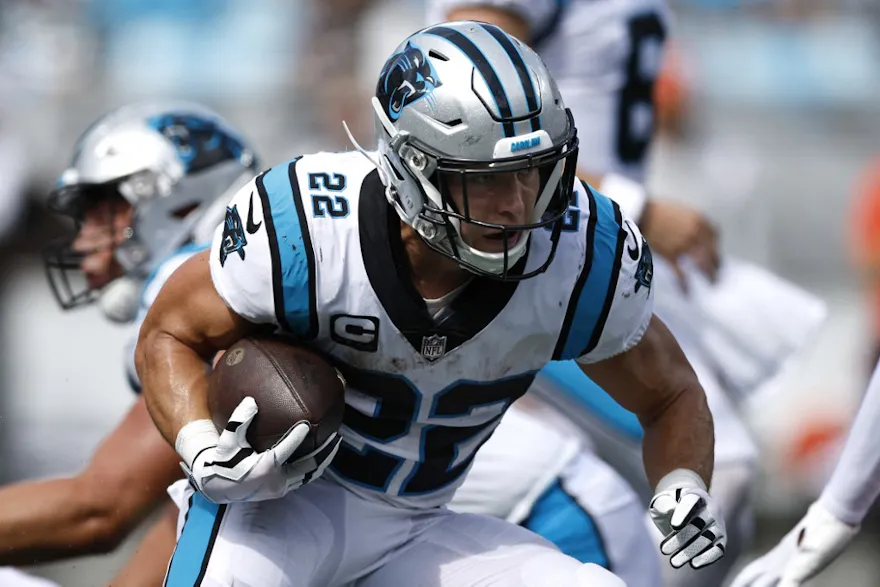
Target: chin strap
[(383, 175)]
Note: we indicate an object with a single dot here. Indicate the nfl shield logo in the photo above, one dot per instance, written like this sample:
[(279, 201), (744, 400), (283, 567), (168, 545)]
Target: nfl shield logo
[(433, 347)]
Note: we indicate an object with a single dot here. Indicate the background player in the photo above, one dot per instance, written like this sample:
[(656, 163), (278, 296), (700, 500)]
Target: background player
[(474, 189), (146, 187), (836, 517)]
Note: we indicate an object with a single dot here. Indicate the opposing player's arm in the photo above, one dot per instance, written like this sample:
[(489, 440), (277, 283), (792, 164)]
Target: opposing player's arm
[(147, 566), (855, 483), (836, 517), (93, 511)]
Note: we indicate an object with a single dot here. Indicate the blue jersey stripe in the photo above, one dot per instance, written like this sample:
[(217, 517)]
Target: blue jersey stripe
[(586, 318), (613, 277), (290, 245), (194, 546)]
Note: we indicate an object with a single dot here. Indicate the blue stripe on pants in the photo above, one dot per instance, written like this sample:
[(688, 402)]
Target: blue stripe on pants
[(557, 517), (193, 550)]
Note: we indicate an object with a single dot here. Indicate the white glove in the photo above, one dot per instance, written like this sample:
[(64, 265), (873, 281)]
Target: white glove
[(689, 519), (810, 547), (225, 468)]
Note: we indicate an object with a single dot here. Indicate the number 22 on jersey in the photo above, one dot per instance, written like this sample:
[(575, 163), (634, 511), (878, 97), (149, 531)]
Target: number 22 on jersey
[(333, 205)]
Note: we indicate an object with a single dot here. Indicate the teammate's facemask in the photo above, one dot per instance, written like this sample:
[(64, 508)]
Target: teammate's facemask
[(454, 103), (62, 261)]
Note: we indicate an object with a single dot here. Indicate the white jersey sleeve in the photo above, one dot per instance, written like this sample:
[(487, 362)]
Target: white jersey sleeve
[(614, 297), (536, 13), (855, 483), (241, 256)]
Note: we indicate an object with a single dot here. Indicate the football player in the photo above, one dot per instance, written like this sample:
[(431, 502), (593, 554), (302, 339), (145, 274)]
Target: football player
[(606, 57), (439, 273), (147, 185)]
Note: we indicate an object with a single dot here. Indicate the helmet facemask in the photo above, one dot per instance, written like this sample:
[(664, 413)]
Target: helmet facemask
[(62, 261), (440, 220)]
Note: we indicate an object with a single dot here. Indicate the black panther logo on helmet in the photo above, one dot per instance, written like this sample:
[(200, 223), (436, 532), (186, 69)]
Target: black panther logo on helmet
[(200, 141), (406, 77)]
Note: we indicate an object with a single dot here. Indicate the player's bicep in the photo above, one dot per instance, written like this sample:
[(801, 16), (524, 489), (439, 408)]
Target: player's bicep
[(190, 310), (647, 377)]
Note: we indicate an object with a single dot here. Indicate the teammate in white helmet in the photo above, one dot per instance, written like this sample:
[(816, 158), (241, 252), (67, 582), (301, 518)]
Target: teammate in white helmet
[(146, 187)]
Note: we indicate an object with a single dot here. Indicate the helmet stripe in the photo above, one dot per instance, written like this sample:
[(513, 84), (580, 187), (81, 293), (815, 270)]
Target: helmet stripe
[(521, 70), (485, 68)]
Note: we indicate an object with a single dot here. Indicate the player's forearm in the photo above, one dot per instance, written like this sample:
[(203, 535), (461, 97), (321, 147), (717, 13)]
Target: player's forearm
[(50, 520), (655, 381), (174, 380), (681, 436), (855, 483)]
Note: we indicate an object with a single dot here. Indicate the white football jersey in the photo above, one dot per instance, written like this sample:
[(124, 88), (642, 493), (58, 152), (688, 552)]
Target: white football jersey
[(320, 256), (605, 56)]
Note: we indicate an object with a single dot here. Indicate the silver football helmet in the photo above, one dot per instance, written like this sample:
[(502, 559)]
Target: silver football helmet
[(464, 98), (176, 163)]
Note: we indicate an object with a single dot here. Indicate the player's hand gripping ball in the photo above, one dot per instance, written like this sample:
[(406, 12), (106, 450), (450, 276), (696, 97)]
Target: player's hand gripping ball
[(279, 408)]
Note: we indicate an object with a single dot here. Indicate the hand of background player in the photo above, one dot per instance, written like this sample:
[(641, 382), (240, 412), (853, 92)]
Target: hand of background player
[(689, 519), (226, 468), (674, 230), (810, 547)]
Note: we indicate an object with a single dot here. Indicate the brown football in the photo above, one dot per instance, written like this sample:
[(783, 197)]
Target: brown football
[(289, 383)]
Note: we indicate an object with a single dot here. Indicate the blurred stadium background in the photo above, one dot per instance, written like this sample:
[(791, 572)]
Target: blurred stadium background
[(771, 124)]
